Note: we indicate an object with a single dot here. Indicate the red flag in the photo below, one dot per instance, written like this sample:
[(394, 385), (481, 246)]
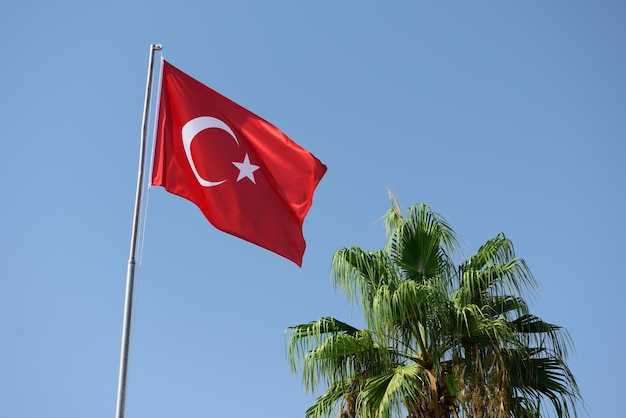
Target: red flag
[(246, 176)]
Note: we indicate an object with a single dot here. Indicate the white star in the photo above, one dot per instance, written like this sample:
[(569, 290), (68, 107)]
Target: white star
[(246, 169)]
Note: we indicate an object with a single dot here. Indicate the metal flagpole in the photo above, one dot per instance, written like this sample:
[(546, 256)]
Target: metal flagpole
[(130, 273)]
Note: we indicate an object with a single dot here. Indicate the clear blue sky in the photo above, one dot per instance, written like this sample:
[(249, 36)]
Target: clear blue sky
[(504, 116)]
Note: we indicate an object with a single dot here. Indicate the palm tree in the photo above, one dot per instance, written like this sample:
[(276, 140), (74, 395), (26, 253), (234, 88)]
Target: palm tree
[(442, 339)]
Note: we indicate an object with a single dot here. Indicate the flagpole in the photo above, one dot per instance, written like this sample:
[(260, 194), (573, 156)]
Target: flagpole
[(130, 272)]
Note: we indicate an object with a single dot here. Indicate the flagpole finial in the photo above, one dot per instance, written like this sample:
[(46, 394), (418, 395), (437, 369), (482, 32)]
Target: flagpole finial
[(157, 47)]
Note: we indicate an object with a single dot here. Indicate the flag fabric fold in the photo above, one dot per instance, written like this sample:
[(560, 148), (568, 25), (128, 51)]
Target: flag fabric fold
[(246, 176)]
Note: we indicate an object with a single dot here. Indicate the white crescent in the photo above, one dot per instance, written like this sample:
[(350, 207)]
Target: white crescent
[(193, 128)]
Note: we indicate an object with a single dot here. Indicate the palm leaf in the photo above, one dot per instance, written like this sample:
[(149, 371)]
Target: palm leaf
[(422, 246), (537, 332), (536, 374), (359, 273), (327, 403), (390, 392), (302, 338)]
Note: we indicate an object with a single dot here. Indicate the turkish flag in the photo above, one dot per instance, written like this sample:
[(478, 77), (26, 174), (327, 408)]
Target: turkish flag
[(246, 176)]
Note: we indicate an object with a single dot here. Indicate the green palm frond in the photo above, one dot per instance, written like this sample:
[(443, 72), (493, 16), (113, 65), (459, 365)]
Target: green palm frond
[(393, 217), (329, 402), (494, 270), (526, 408), (538, 333), (411, 315), (302, 338), (473, 328), (359, 273), (423, 245), (339, 353), (498, 250), (432, 223), (322, 326), (390, 392), (536, 374), (506, 305)]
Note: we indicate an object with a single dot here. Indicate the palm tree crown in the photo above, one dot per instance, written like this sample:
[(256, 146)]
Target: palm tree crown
[(443, 339)]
